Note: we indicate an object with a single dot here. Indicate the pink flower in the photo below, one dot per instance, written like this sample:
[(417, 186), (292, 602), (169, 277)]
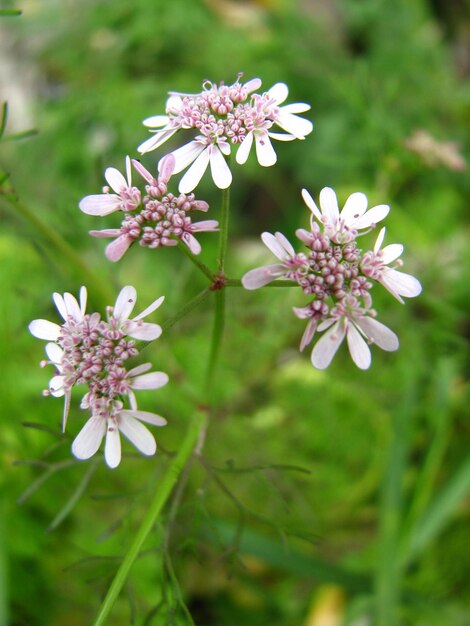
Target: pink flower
[(292, 266), (345, 226), (374, 265), (119, 321), (124, 198), (349, 320)]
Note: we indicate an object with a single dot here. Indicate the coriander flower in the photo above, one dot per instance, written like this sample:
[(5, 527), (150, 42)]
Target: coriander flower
[(345, 226), (375, 265), (88, 351), (222, 116)]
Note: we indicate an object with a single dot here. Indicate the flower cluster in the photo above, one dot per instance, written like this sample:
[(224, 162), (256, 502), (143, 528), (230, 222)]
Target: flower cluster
[(338, 274), (225, 115), (155, 218), (87, 350)]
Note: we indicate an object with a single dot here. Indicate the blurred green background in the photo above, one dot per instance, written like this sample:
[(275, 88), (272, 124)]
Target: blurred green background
[(339, 495)]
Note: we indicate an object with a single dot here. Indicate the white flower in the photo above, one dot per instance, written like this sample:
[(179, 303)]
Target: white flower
[(200, 153), (292, 264), (374, 265), (350, 321), (134, 327), (266, 112), (343, 227), (124, 198), (109, 421)]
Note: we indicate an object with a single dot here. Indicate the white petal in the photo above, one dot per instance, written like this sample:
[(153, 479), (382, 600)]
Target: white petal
[(295, 125), (137, 434), (378, 333), (167, 167), (43, 329), (296, 107), (115, 179), (327, 346), (150, 309), (153, 380), (142, 330), (185, 155), (310, 202), (65, 414), (329, 205), (145, 416), (274, 244), (252, 85), (279, 92), (265, 152), (254, 279), (100, 204), (112, 447), (83, 299), (221, 174), (125, 303), (89, 439), (285, 243), (358, 348), (373, 216), (282, 136), (54, 353), (156, 121), (380, 239), (140, 369), (60, 305), (355, 207), (156, 140), (391, 252), (72, 306), (400, 283), (194, 174), (56, 386), (308, 334), (244, 149)]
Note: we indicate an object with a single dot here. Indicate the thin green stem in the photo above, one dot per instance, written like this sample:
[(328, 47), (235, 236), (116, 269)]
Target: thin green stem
[(217, 333), (165, 487), (187, 308), (65, 250), (204, 269), (223, 224)]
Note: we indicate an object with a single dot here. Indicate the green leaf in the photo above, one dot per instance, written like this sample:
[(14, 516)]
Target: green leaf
[(4, 117)]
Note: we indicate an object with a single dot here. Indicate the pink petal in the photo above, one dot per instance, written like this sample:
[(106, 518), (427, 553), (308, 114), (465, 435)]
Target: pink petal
[(378, 333), (261, 276), (400, 283), (308, 334), (252, 85), (355, 207), (310, 202), (72, 306), (137, 434), (105, 233), (116, 249), (167, 167), (391, 252), (140, 369), (329, 205), (142, 330), (372, 217), (54, 353), (157, 139), (143, 171), (56, 386), (89, 439), (205, 226), (145, 416), (150, 309), (275, 245), (192, 243), (185, 155), (60, 305)]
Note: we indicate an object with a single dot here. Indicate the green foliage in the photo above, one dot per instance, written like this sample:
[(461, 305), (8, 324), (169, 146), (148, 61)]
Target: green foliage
[(345, 477)]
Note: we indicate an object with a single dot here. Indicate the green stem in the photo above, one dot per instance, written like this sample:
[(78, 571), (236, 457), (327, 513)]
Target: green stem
[(204, 269), (223, 224), (165, 487), (217, 332), (65, 250), (187, 308)]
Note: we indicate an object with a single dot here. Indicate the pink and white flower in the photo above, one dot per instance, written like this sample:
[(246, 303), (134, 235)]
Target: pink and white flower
[(345, 226), (358, 325), (375, 265), (125, 196), (118, 317), (110, 419), (292, 265)]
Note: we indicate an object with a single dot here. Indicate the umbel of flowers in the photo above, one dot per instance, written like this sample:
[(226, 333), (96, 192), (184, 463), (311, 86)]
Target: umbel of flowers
[(94, 353), (155, 218), (223, 116), (339, 276)]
